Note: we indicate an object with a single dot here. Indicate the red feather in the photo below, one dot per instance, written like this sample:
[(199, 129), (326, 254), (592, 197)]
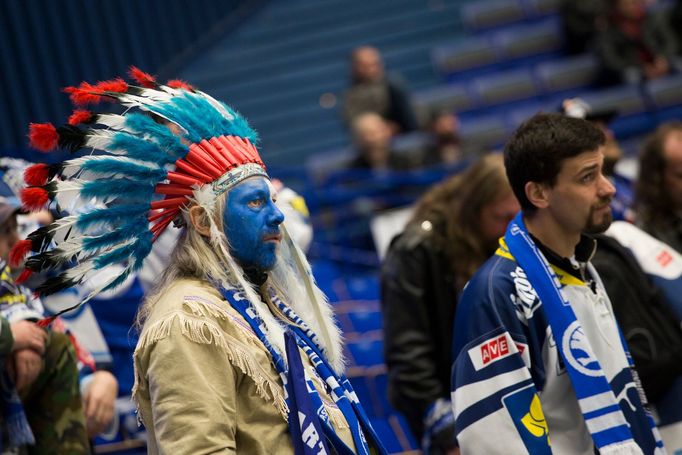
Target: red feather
[(43, 136), (142, 78), (117, 85), (19, 252), (46, 321), (80, 116), (37, 174), (25, 275), (177, 83), (34, 198), (83, 94)]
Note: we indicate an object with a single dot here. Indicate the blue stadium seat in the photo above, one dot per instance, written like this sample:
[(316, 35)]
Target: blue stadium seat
[(467, 54), (481, 15), (325, 273), (365, 321), (483, 133), (410, 143), (366, 352), (386, 435), (363, 287), (357, 317), (394, 434), (320, 164), (634, 116), (538, 8), (525, 41), (453, 97), (380, 385), (666, 95), (632, 146), (365, 394), (521, 114), (567, 75), (505, 87)]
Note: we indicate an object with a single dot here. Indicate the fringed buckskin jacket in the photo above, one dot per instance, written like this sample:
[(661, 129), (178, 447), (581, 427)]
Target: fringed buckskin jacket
[(204, 382)]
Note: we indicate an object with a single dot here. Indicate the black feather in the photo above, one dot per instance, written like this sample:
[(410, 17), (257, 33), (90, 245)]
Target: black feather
[(71, 138), (47, 260), (41, 237), (55, 284)]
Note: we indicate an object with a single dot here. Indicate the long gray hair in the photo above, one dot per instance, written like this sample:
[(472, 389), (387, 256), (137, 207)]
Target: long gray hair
[(208, 258)]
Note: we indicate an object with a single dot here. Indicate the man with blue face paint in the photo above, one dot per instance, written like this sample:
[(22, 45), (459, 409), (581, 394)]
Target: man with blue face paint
[(238, 350), (251, 223)]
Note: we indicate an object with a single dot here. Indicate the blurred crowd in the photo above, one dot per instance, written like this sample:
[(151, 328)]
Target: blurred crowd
[(634, 40)]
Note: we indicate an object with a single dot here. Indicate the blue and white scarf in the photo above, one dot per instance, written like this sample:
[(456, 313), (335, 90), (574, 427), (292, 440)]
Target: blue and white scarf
[(308, 419), (595, 396)]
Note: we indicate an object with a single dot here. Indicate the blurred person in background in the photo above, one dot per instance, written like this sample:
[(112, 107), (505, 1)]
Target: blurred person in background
[(456, 226), (372, 140), (658, 192), (636, 45), (444, 146), (98, 384), (41, 400), (675, 22), (581, 21), (371, 90)]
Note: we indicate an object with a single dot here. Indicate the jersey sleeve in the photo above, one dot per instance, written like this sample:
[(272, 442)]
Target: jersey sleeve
[(494, 394)]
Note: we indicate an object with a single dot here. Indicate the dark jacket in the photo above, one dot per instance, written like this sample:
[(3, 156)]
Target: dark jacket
[(618, 52), (6, 338), (418, 295), (654, 338)]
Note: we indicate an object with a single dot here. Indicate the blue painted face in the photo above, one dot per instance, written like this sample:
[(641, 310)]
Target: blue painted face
[(251, 222)]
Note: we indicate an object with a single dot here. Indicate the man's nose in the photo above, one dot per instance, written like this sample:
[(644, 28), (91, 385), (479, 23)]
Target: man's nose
[(606, 188), (276, 217)]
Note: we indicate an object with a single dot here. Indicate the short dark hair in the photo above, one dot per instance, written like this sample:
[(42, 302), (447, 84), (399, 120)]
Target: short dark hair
[(537, 148)]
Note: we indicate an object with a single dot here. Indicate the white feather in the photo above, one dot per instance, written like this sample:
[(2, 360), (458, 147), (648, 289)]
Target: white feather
[(113, 121), (205, 197), (101, 140), (70, 248), (63, 186), (218, 105), (158, 95)]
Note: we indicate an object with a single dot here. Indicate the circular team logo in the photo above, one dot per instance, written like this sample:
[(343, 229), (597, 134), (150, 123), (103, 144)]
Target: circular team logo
[(577, 351)]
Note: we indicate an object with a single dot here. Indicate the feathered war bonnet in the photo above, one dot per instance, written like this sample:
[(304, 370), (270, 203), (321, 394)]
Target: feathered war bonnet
[(170, 141)]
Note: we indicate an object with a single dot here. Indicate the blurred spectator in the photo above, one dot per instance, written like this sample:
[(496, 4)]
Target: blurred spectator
[(644, 292), (40, 375), (636, 45), (444, 147), (581, 20), (455, 227), (98, 387), (371, 90), (372, 138), (675, 21), (658, 193), (621, 204), (296, 214)]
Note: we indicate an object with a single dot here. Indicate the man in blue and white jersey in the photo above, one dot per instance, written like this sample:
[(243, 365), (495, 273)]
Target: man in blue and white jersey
[(540, 364)]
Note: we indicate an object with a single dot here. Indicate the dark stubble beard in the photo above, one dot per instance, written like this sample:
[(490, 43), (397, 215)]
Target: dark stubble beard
[(598, 226)]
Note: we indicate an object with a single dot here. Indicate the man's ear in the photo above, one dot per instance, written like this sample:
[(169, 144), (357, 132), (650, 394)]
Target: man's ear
[(199, 220), (537, 194)]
